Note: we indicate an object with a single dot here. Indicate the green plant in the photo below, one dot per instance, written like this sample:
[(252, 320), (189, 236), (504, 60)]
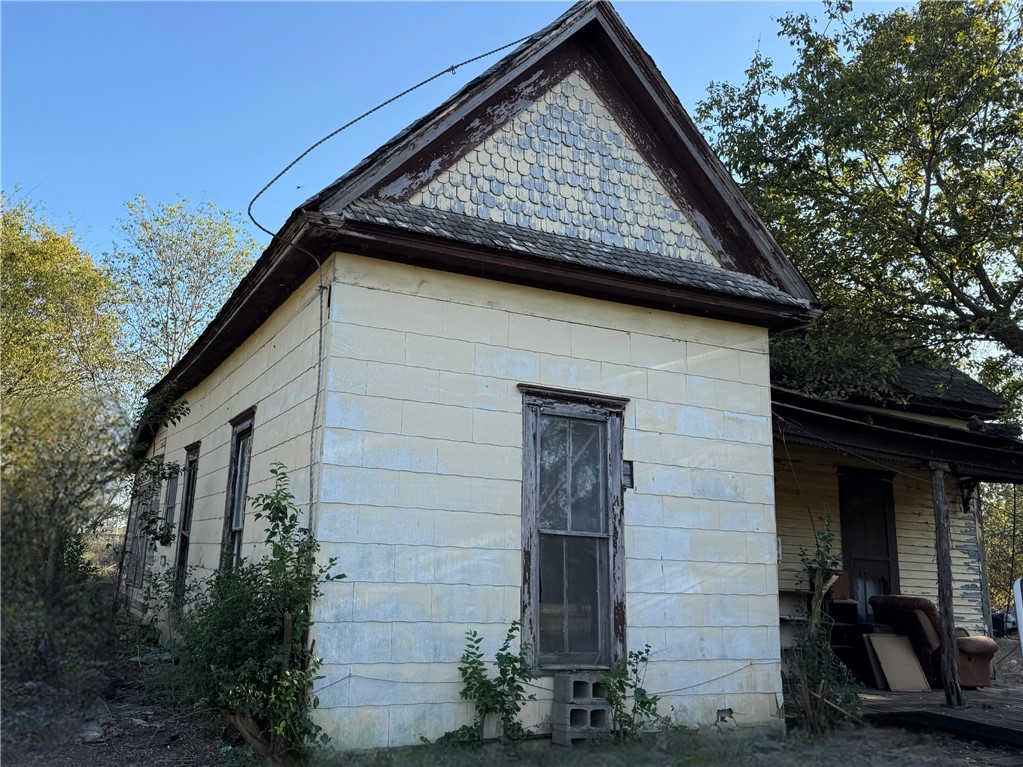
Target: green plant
[(145, 494), (242, 635), (502, 696), (822, 691), (624, 681)]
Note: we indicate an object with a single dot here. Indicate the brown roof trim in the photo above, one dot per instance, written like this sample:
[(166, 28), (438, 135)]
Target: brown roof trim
[(384, 242), (831, 425)]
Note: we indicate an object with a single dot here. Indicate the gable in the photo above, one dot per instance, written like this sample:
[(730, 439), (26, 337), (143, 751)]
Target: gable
[(689, 242), (565, 165)]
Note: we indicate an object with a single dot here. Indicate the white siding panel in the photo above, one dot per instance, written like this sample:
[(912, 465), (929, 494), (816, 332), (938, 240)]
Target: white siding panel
[(428, 492)]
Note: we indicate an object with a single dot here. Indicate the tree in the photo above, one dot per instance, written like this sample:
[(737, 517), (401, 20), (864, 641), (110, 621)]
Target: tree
[(889, 165), (62, 439), (1003, 541), (177, 263), (59, 326)]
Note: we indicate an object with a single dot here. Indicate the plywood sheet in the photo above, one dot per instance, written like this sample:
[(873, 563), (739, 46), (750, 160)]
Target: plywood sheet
[(875, 665), (899, 663)]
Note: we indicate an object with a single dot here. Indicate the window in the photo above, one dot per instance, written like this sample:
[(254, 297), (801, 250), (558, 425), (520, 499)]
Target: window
[(237, 487), (187, 505), (573, 579), (170, 500)]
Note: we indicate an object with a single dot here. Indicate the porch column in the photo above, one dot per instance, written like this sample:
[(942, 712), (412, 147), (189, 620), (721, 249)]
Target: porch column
[(943, 551)]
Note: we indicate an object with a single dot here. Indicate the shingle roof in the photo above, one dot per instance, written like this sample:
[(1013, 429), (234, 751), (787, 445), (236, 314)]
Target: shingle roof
[(461, 228), (947, 386)]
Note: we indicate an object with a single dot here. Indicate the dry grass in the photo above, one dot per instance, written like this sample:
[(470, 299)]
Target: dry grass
[(1008, 662)]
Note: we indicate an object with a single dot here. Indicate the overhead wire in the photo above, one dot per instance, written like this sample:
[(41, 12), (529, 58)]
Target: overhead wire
[(451, 69)]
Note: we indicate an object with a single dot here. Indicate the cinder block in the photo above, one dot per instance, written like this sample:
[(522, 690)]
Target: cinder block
[(579, 688)]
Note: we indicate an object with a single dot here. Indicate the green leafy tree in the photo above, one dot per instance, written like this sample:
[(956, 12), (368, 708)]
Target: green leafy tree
[(176, 263), (889, 164), (62, 440), (1003, 541), (58, 329)]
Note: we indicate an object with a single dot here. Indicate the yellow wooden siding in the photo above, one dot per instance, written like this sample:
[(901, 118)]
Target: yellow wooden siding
[(806, 487)]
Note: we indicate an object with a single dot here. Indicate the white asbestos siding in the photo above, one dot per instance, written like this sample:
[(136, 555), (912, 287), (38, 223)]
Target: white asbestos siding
[(274, 370), (810, 481), (422, 494)]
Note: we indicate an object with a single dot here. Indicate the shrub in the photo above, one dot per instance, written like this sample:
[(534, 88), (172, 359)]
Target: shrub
[(242, 635)]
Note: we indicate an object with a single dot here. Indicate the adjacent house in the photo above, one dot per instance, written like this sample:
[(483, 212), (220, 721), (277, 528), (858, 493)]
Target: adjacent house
[(516, 362)]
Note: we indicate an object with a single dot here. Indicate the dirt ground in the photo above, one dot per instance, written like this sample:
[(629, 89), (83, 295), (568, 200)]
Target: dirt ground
[(106, 717), (1008, 669)]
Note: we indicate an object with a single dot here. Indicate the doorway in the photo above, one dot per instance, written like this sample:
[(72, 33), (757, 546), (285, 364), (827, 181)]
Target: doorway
[(869, 552)]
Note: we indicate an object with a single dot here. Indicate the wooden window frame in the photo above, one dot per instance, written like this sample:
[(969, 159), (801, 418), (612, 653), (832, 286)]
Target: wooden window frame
[(170, 500), (571, 404), (190, 475), (234, 523)]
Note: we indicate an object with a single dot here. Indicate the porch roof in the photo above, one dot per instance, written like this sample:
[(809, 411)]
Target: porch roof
[(865, 432)]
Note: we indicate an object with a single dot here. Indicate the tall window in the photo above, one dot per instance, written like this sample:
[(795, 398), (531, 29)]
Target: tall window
[(237, 487), (170, 500), (573, 583), (187, 505)]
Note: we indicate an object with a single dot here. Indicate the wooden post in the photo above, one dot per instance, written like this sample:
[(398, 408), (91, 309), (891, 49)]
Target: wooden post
[(943, 551)]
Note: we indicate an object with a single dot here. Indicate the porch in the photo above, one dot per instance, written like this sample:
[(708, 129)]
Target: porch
[(993, 714)]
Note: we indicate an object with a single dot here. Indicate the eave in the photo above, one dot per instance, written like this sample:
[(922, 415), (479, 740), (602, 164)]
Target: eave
[(867, 434), (373, 241)]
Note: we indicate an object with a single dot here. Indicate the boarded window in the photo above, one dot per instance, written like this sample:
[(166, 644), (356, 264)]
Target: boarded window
[(573, 592), (237, 487)]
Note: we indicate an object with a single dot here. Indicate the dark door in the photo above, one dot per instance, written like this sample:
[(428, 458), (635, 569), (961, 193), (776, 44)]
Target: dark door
[(869, 552)]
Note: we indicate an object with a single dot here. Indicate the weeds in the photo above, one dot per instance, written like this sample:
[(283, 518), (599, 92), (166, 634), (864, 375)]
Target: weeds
[(502, 696), (625, 681)]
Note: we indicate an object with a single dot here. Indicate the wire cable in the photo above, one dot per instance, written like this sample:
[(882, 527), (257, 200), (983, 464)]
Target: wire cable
[(452, 69)]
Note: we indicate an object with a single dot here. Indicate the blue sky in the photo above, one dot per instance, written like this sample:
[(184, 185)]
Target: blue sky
[(103, 101)]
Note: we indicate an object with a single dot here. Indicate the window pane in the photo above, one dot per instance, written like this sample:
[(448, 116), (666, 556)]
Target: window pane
[(574, 610), (241, 484), (171, 500), (552, 594), (573, 474), (553, 473), (587, 472)]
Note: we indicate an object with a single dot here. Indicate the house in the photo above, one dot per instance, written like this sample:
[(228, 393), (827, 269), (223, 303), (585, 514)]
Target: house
[(871, 468), (516, 363)]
